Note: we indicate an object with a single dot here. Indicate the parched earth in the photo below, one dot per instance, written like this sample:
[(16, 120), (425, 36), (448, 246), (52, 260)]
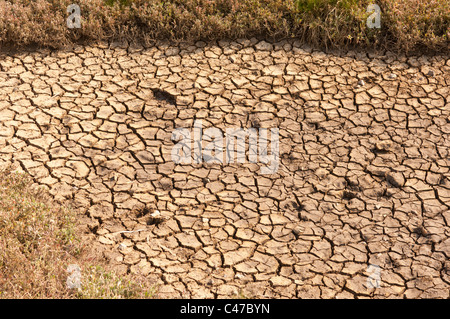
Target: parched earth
[(359, 206)]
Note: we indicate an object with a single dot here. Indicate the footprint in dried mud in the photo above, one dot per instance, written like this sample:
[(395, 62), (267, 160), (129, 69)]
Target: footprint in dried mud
[(421, 231), (162, 95), (152, 218), (347, 195)]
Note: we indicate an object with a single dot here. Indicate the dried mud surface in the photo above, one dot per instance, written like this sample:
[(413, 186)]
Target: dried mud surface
[(363, 183)]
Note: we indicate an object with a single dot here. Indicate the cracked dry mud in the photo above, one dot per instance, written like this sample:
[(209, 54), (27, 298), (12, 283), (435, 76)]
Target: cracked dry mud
[(363, 178)]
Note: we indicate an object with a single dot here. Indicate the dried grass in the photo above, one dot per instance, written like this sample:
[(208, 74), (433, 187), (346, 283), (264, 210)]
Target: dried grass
[(406, 24), (39, 239)]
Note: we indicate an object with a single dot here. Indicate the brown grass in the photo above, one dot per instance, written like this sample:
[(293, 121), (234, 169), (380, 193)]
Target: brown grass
[(39, 239), (406, 24)]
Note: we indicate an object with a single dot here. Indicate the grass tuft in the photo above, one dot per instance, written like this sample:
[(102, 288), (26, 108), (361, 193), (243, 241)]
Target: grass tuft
[(39, 239)]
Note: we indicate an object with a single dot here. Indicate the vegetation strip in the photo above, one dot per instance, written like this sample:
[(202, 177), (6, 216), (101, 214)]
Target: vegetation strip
[(405, 24)]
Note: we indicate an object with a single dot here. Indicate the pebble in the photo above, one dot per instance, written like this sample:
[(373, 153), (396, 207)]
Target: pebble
[(264, 46), (392, 76), (155, 214), (239, 276)]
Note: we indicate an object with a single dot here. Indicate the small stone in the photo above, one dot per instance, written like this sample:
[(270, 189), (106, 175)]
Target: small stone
[(156, 214), (263, 46), (239, 276), (172, 51), (430, 73), (392, 76), (361, 83)]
